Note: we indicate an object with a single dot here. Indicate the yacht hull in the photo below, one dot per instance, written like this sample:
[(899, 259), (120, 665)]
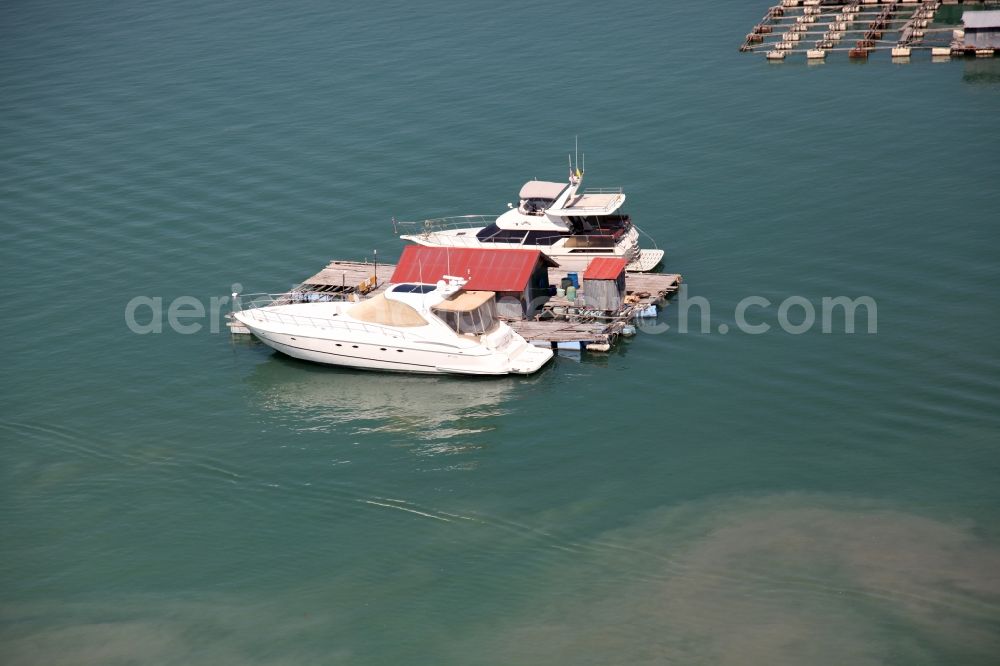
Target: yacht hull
[(399, 356)]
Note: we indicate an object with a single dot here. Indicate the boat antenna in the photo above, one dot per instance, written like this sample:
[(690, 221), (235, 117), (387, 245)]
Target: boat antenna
[(376, 266), (576, 147)]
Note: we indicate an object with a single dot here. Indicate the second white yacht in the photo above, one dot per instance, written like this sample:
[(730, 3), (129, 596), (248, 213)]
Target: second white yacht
[(569, 225)]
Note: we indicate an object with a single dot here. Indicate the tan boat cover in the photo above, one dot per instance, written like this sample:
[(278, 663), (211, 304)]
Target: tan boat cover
[(387, 312), (541, 189), (465, 301)]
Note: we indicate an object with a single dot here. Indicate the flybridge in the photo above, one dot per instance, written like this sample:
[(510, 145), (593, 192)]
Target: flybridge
[(591, 202)]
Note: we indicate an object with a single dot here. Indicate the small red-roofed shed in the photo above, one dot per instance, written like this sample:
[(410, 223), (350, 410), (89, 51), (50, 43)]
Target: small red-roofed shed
[(604, 283)]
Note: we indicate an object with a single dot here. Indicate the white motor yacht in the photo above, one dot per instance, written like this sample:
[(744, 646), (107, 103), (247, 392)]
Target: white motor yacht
[(425, 328), (569, 225)]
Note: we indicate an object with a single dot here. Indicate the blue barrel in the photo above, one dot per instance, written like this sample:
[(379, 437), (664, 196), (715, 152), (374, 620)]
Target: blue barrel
[(575, 279)]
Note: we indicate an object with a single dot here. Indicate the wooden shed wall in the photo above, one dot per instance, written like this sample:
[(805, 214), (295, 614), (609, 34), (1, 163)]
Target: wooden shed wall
[(604, 294), (527, 303), (510, 304)]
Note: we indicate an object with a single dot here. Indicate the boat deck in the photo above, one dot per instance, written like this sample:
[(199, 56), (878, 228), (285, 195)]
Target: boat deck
[(563, 323)]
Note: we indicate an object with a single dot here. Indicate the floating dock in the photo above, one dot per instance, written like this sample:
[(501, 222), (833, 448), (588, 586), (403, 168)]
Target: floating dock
[(814, 28), (560, 323)]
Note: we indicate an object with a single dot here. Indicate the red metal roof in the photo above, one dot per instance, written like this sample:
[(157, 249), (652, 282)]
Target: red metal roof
[(490, 270), (604, 268)]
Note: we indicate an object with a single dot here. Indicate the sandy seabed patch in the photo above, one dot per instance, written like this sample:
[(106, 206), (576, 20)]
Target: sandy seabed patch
[(788, 579)]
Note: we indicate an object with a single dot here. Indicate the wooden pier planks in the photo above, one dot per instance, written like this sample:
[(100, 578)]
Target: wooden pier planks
[(345, 276), (560, 331), (659, 286)]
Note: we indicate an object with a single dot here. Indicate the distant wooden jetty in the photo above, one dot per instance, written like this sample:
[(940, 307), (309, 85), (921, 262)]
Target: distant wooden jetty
[(814, 28), (560, 323)]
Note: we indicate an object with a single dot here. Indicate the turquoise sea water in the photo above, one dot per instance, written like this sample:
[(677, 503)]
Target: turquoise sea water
[(690, 498)]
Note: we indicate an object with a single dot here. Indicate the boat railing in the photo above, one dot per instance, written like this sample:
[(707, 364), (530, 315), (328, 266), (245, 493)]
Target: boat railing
[(602, 190), (243, 302), (257, 308), (442, 224), (253, 301)]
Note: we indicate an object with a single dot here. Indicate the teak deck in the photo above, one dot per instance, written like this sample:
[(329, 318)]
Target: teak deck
[(570, 322)]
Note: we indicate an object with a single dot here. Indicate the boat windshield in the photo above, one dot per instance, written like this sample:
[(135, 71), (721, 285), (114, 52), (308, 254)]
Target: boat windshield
[(494, 234), (469, 318)]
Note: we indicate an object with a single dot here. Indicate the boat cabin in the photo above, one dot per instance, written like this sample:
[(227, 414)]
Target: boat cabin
[(472, 313), (581, 231), (469, 312), (549, 212)]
